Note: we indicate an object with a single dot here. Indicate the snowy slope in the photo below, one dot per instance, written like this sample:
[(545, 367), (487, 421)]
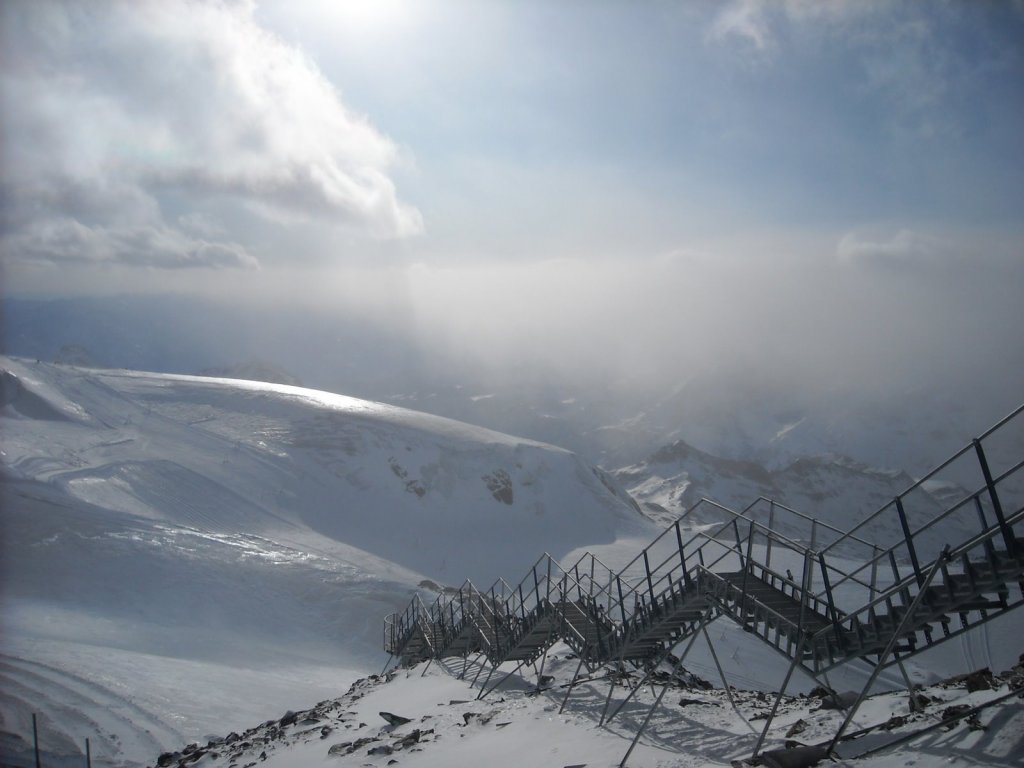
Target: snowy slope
[(162, 533), (521, 725)]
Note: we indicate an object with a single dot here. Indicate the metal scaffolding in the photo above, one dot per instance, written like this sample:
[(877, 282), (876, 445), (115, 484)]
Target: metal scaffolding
[(904, 579)]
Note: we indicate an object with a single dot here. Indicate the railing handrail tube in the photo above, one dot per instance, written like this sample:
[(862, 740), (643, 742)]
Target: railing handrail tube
[(970, 446)]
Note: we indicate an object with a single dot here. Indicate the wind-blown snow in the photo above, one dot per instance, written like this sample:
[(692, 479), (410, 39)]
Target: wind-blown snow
[(221, 532), (183, 557)]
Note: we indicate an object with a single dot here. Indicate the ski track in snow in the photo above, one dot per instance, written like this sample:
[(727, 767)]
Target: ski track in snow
[(70, 705)]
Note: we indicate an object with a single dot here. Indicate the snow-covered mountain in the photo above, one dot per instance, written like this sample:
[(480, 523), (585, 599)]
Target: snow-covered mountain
[(613, 417), (833, 489), (162, 534)]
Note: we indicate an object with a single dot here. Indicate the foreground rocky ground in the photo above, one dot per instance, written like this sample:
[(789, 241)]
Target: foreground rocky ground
[(429, 717)]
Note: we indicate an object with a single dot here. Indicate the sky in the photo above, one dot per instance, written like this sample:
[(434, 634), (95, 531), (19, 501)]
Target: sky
[(820, 186)]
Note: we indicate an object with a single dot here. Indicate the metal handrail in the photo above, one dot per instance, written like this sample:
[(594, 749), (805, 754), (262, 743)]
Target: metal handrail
[(884, 553), (999, 425)]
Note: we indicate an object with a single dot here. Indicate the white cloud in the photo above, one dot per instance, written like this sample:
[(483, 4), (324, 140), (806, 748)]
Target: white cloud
[(126, 115), (67, 241), (905, 248), (744, 20)]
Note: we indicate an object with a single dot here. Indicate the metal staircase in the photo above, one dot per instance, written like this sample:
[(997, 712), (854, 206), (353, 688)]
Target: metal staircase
[(904, 579)]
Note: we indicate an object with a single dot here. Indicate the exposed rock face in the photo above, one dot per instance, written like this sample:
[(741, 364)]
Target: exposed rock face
[(499, 483)]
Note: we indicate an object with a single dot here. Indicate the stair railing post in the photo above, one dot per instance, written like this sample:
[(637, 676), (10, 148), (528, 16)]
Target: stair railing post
[(682, 554), (832, 615), (874, 572), (547, 585), (909, 540), (746, 570), (1008, 538), (650, 582), (622, 600), (890, 646), (896, 578), (990, 551), (739, 542), (771, 529)]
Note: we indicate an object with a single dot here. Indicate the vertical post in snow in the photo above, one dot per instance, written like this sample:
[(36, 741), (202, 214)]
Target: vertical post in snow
[(35, 738), (88, 754)]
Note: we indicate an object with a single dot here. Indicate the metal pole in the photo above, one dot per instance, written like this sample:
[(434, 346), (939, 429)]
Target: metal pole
[(88, 754), (650, 584), (35, 739), (573, 683), (889, 649), (484, 691), (909, 540), (874, 572), (607, 701), (480, 669), (487, 680), (782, 692), (664, 690), (682, 556), (725, 683), (1008, 538), (910, 685)]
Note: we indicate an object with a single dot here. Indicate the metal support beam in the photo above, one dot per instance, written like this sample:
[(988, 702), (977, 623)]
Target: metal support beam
[(936, 567), (782, 692), (909, 540), (1008, 538), (664, 690), (725, 682), (572, 685)]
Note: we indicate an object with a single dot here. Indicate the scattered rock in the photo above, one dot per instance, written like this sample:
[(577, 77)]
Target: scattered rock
[(956, 711), (342, 748), (980, 680), (797, 757), (896, 721), (382, 749), (918, 702), (840, 701), (798, 727), (289, 718), (395, 720)]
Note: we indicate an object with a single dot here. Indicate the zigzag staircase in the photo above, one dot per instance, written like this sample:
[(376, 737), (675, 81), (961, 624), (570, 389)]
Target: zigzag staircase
[(855, 595)]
